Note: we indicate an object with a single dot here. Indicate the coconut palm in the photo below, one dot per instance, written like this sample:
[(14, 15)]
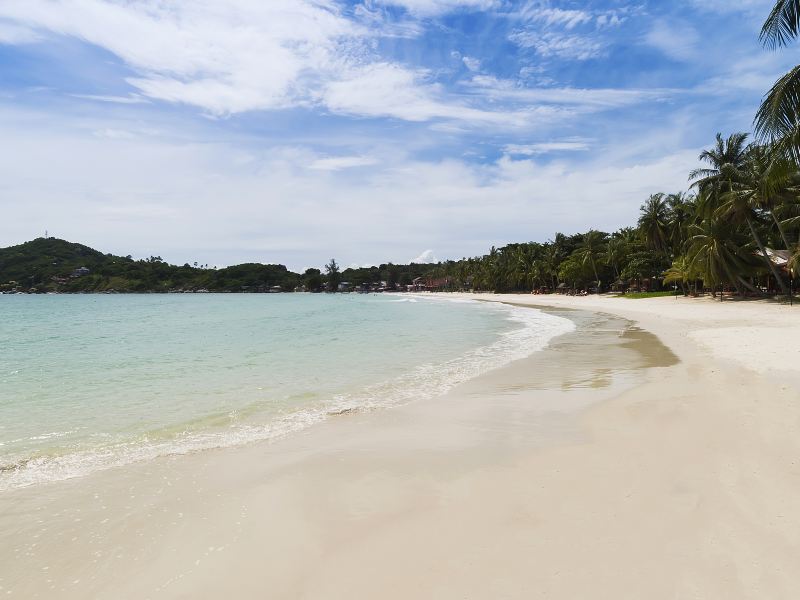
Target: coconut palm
[(794, 262), (521, 271), (737, 207), (725, 163), (680, 272), (778, 119), (616, 250), (718, 254), (682, 209), (592, 250), (653, 222), (551, 259), (782, 24), (769, 182)]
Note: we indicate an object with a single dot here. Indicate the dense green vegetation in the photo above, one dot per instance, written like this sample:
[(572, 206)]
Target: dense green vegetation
[(49, 264)]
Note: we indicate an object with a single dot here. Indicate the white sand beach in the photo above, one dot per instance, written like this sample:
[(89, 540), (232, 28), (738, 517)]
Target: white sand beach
[(653, 453)]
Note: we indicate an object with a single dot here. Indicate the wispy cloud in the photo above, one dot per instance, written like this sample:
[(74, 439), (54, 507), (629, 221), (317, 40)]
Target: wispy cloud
[(437, 7), (548, 44), (13, 34), (677, 40), (337, 163), (569, 145), (387, 90), (584, 99), (570, 34), (133, 99), (555, 16)]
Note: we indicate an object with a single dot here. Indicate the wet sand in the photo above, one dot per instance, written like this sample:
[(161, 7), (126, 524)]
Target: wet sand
[(611, 465)]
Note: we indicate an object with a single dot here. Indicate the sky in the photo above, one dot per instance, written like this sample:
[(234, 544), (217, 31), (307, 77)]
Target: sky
[(293, 131)]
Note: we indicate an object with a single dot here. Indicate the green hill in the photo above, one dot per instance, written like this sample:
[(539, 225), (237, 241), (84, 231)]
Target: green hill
[(50, 264)]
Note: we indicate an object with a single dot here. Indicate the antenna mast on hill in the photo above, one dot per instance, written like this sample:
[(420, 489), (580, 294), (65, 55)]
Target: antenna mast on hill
[(45, 234)]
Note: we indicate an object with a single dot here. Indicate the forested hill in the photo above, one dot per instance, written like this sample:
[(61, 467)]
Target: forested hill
[(54, 265), (50, 264)]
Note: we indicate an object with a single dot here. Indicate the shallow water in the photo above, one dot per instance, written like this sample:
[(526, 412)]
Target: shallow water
[(93, 381)]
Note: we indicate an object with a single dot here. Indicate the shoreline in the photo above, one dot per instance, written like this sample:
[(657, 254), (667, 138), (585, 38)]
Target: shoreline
[(520, 332), (677, 482)]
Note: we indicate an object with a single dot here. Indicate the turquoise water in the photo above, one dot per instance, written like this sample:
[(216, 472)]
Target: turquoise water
[(95, 381)]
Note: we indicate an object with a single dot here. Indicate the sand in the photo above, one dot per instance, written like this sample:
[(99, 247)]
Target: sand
[(654, 453)]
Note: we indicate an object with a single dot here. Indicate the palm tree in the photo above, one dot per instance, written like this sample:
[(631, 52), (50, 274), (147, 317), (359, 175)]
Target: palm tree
[(592, 250), (794, 262), (682, 210), (769, 182), (680, 272), (616, 249), (778, 119), (653, 222), (552, 258), (737, 207), (521, 268), (782, 24), (718, 254), (726, 161)]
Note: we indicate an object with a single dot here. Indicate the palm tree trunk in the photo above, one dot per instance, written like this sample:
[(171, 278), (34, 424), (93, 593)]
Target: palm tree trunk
[(747, 284), (771, 264), (596, 276), (780, 229)]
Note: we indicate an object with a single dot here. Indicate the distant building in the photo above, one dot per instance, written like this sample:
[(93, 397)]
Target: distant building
[(438, 284), (344, 286), (80, 272), (780, 258)]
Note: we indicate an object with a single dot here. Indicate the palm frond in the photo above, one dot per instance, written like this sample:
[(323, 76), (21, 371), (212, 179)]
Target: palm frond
[(782, 24), (778, 114)]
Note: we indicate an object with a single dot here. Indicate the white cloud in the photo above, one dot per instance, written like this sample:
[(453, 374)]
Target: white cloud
[(570, 145), (378, 18), (429, 8), (13, 34), (574, 99), (678, 41), (245, 55), (473, 64), (113, 99), (337, 163), (388, 90), (224, 57), (556, 16), (550, 44), (425, 258), (610, 19), (754, 74)]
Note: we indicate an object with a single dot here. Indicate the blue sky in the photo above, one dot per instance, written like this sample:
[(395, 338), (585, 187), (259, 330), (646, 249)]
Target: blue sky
[(295, 130)]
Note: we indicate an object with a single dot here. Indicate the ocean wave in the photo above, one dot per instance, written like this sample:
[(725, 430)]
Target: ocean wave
[(534, 332)]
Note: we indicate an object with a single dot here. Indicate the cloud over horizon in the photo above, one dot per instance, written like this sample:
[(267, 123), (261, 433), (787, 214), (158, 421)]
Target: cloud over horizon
[(291, 129)]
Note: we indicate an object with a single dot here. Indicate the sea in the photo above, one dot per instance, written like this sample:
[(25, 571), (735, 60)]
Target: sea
[(91, 382)]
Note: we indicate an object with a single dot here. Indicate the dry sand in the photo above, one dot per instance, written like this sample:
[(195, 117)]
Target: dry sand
[(617, 464)]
